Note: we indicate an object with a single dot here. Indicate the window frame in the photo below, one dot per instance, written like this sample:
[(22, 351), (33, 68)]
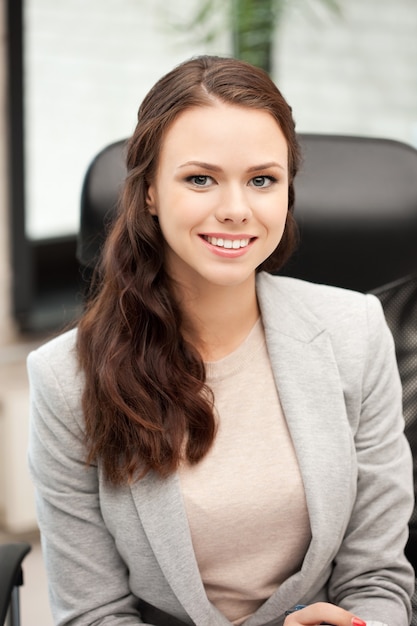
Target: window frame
[(45, 277)]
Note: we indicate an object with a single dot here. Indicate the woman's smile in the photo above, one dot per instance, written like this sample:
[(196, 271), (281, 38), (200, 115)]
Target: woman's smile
[(228, 246)]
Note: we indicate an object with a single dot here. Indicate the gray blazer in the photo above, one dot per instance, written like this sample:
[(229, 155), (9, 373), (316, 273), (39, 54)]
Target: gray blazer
[(334, 363)]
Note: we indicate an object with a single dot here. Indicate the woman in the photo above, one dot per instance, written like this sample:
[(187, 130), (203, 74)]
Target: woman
[(214, 444)]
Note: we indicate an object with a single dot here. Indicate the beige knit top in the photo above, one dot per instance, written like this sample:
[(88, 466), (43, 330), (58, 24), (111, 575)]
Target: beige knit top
[(245, 500)]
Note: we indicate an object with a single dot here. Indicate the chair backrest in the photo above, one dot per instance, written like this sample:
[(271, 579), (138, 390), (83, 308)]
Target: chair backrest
[(356, 206), (11, 578), (399, 300), (99, 197)]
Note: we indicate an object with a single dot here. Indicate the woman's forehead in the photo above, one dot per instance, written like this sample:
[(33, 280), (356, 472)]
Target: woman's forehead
[(222, 125)]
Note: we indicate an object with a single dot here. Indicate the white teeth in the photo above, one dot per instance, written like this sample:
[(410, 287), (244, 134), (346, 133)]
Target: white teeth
[(228, 243)]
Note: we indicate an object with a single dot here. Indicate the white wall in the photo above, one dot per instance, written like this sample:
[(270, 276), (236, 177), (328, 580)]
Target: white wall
[(355, 74)]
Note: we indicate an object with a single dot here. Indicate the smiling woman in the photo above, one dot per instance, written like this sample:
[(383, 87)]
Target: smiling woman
[(213, 445)]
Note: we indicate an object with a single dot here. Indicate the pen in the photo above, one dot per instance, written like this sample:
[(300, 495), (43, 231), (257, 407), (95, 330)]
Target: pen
[(295, 608), (298, 607)]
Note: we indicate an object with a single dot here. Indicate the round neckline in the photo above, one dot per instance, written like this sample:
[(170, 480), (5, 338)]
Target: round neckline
[(240, 357)]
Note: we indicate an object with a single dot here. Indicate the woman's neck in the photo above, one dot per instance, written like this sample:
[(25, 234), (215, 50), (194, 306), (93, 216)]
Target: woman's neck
[(218, 319)]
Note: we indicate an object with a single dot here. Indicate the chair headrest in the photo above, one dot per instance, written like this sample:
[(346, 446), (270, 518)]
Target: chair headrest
[(356, 205), (99, 198)]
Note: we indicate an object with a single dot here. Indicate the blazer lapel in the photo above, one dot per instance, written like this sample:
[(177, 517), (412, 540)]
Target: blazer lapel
[(160, 507), (312, 398)]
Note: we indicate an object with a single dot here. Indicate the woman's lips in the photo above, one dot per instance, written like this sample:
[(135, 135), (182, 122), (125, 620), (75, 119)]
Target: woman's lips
[(228, 246)]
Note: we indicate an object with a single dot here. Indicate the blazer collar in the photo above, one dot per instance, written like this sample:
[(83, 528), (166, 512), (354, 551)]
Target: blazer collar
[(312, 398)]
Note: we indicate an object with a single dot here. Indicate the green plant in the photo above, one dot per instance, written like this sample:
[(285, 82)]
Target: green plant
[(252, 23)]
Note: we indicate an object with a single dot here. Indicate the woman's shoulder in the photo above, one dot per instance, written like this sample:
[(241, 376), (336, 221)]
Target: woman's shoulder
[(324, 301), (308, 291), (55, 364), (306, 309), (60, 349)]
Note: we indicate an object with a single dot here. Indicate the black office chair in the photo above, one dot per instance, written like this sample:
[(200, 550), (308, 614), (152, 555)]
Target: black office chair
[(356, 205), (11, 578), (99, 197), (399, 300)]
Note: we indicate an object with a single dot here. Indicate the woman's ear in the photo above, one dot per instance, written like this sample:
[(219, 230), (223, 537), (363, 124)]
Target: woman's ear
[(151, 200)]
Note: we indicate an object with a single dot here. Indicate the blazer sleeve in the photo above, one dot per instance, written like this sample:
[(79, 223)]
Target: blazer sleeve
[(370, 568), (88, 581)]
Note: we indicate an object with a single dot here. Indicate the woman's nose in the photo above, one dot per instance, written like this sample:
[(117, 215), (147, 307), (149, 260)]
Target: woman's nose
[(234, 206)]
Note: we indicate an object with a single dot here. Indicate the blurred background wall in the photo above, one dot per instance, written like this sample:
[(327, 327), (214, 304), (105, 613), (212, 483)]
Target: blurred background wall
[(353, 72)]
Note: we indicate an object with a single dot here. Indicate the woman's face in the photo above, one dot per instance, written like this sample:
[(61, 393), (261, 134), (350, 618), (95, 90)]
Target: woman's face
[(220, 193)]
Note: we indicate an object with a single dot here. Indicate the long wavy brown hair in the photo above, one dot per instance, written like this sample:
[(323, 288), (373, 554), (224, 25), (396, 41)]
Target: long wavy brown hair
[(145, 402)]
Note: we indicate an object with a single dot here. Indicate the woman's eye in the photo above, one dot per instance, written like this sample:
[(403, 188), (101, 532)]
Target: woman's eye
[(263, 181), (200, 181)]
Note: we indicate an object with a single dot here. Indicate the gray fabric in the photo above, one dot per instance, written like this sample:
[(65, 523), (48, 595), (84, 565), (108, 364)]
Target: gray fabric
[(334, 363)]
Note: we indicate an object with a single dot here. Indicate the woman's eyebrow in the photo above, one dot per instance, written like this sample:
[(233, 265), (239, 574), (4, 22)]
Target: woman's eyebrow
[(202, 164), (265, 166), (216, 168)]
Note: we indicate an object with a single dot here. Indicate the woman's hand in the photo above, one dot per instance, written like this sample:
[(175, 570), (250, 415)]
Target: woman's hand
[(322, 613)]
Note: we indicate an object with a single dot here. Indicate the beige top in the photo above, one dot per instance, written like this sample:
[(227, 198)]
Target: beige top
[(245, 500)]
